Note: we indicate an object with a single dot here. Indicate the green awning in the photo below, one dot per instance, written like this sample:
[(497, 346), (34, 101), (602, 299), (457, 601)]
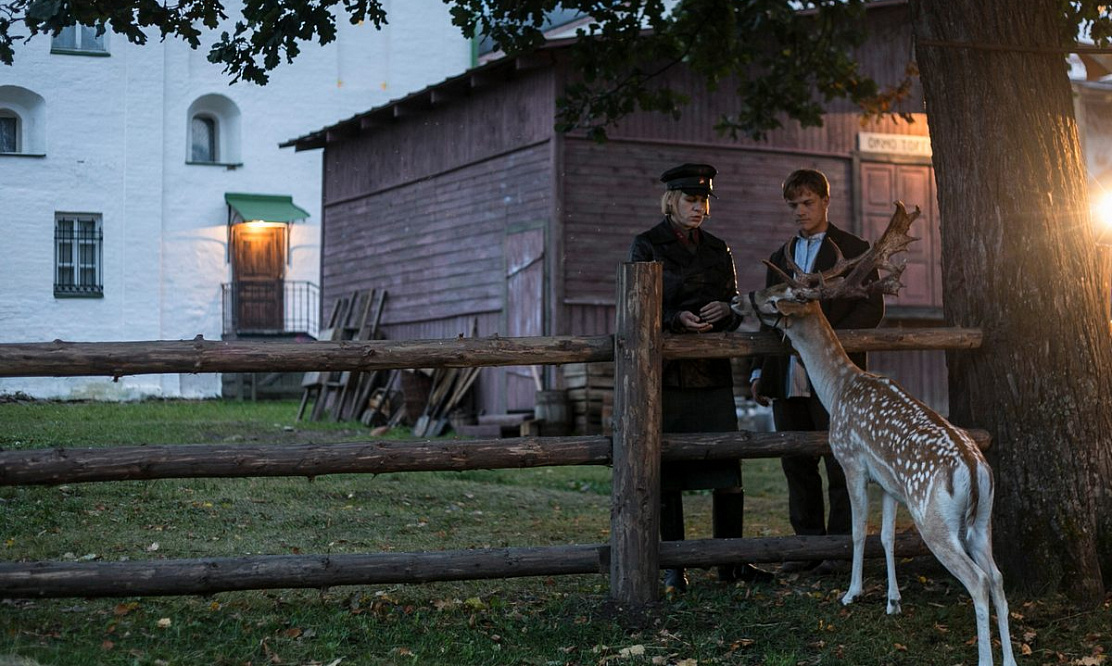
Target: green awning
[(265, 207)]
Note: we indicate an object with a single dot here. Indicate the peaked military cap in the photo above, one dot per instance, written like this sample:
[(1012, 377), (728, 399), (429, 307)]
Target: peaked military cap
[(691, 178)]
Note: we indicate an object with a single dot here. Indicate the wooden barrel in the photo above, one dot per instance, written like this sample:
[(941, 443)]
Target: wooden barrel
[(551, 410)]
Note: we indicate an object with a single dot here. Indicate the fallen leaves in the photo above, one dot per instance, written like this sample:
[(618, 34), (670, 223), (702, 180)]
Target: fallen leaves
[(123, 609)]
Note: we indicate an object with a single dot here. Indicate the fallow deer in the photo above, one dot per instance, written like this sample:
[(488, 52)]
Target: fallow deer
[(880, 433)]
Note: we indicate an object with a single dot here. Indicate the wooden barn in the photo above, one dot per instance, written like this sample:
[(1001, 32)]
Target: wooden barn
[(464, 203)]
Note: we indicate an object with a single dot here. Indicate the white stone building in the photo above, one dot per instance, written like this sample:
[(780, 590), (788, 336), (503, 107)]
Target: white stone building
[(122, 170)]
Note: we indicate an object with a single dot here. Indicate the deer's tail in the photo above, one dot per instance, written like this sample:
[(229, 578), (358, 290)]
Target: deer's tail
[(978, 510)]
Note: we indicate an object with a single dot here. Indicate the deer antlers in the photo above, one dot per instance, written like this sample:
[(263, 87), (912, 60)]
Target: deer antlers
[(848, 277)]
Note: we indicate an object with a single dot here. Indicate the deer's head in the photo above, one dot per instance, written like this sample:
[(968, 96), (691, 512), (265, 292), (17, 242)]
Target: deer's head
[(799, 294)]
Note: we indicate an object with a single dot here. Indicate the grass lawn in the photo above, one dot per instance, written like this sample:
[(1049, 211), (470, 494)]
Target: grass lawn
[(555, 621)]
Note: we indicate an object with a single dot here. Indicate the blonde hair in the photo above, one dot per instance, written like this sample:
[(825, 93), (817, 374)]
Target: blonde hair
[(668, 201)]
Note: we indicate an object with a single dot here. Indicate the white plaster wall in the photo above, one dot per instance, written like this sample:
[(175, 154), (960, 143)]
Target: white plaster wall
[(116, 145)]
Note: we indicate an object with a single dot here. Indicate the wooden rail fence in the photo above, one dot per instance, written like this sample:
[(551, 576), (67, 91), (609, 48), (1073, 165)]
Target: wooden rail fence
[(634, 555)]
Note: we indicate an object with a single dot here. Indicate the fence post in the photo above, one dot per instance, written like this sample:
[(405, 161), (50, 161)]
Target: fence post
[(635, 502)]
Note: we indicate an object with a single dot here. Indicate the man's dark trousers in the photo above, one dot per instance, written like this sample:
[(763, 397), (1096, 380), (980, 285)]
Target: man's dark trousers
[(806, 505)]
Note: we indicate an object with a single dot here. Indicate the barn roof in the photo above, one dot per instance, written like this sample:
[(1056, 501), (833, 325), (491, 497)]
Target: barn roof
[(435, 95), (439, 94)]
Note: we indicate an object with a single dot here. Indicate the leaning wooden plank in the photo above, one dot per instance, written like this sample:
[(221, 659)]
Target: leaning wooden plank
[(327, 380), (437, 397), (423, 420), (312, 380), (367, 381), (356, 330), (466, 379)]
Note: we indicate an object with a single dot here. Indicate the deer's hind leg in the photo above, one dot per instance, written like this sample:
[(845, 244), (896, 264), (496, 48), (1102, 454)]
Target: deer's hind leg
[(948, 548), (979, 546)]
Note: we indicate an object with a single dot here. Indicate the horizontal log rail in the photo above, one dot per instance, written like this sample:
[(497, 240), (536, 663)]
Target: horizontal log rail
[(131, 463), (719, 345), (117, 359), (226, 574)]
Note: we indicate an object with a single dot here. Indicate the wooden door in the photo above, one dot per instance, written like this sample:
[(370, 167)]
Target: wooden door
[(525, 307), (913, 184), (923, 373), (258, 272)]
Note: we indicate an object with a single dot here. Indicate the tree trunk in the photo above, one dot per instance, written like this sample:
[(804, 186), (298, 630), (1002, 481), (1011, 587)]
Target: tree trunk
[(1020, 262)]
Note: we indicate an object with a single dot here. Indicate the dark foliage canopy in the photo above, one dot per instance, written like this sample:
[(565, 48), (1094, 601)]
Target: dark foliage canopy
[(785, 58)]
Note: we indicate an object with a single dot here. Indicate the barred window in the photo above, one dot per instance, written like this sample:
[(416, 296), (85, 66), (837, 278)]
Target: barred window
[(78, 245)]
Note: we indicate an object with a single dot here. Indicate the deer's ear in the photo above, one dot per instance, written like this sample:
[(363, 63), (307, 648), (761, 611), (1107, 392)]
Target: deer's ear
[(790, 308)]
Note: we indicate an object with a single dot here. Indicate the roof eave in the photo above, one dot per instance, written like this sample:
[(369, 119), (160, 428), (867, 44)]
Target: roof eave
[(432, 96)]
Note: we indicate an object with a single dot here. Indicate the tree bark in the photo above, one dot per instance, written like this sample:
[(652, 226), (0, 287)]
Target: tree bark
[(1020, 263)]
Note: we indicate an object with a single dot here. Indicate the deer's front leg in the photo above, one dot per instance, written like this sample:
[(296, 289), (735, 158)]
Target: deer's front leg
[(888, 540), (857, 485)]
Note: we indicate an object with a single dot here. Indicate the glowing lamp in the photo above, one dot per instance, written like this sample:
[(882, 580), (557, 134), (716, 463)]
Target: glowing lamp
[(1102, 218)]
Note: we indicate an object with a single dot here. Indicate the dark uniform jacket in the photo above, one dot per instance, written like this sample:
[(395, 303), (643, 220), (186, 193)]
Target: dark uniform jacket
[(840, 312), (690, 282)]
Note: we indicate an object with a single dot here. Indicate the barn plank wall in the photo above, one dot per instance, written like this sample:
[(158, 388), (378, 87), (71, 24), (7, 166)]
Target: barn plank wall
[(435, 219), (438, 242), (474, 127)]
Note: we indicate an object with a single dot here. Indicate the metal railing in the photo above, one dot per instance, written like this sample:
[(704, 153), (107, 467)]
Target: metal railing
[(271, 307)]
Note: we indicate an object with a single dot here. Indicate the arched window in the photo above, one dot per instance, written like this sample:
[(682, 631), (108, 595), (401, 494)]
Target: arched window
[(22, 122), (212, 128), (203, 139), (10, 132)]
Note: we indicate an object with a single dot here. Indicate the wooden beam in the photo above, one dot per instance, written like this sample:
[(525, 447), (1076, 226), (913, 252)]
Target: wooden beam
[(438, 97), (719, 345), (635, 495), (341, 132), (483, 79), (56, 466), (226, 574), (529, 61), (116, 359)]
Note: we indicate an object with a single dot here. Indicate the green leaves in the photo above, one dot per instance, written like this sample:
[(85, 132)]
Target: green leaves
[(781, 62), (272, 31), (783, 59)]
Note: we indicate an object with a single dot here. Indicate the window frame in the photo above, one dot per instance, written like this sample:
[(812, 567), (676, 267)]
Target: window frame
[(17, 125), (78, 255), (85, 42), (213, 125)]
